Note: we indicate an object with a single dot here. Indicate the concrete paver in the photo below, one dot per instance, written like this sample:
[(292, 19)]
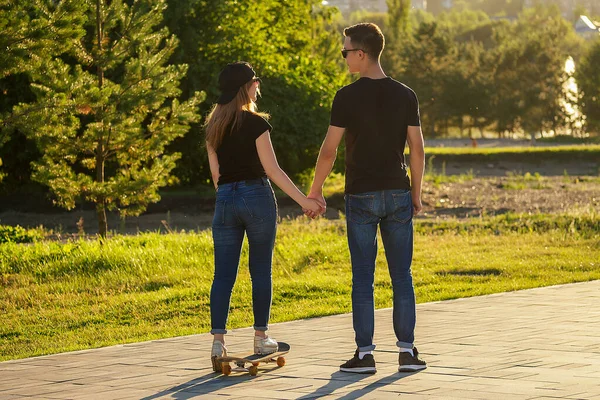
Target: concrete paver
[(533, 344)]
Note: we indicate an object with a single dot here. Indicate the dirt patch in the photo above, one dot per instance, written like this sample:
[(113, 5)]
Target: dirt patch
[(494, 168), (470, 198), (494, 196)]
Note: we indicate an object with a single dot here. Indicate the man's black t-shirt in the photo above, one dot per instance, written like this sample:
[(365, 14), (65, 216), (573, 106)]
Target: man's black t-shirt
[(237, 154), (376, 114)]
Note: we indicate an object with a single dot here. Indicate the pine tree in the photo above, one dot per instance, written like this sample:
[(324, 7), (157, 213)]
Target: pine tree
[(32, 31), (103, 121)]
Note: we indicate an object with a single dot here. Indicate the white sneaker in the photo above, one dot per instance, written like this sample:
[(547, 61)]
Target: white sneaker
[(265, 345), (218, 350)]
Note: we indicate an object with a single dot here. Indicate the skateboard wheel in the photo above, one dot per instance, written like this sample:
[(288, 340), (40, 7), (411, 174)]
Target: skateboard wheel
[(253, 370), (280, 361), (226, 368), (256, 364)]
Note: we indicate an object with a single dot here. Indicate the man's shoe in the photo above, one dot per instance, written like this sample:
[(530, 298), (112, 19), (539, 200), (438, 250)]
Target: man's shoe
[(265, 345), (358, 366), (218, 350), (409, 363)]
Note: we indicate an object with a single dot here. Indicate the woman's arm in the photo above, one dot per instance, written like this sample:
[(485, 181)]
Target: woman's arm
[(213, 161), (277, 175)]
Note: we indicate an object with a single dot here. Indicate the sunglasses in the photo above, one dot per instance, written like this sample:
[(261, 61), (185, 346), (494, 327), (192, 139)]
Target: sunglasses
[(346, 51)]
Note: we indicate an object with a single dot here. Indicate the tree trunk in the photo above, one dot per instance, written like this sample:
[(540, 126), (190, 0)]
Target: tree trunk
[(101, 204), (102, 222), (432, 126)]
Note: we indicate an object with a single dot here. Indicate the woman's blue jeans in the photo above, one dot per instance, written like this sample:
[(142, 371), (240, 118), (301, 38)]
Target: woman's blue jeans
[(245, 207), (391, 210)]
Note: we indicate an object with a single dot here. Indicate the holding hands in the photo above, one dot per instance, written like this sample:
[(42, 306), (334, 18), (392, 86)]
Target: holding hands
[(316, 205)]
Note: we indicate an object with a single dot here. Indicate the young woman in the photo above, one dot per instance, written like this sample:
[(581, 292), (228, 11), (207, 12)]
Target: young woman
[(241, 158)]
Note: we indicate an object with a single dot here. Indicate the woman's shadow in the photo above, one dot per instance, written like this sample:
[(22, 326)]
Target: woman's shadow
[(203, 385), (340, 379)]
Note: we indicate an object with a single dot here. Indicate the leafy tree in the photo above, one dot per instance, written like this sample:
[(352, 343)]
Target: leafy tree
[(293, 45), (398, 18), (427, 62), (361, 15), (103, 119), (529, 73), (460, 22), (588, 81)]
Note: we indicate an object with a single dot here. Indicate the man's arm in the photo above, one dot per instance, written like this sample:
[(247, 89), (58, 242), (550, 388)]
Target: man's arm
[(327, 156), (417, 165)]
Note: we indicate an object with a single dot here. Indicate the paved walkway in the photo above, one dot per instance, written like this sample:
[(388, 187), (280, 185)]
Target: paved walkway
[(532, 344)]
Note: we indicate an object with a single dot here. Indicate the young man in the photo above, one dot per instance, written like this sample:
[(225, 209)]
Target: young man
[(379, 116)]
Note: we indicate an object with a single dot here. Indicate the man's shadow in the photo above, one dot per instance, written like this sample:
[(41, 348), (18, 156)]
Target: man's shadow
[(340, 379)]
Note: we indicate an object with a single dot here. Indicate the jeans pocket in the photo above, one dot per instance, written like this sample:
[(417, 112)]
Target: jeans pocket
[(403, 210), (361, 208), (219, 217), (260, 207)]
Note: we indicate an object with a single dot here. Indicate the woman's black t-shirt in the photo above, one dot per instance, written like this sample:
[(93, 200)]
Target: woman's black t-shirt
[(237, 154)]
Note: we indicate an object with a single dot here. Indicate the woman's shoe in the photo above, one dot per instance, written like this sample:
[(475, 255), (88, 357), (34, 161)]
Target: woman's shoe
[(218, 350), (265, 345)]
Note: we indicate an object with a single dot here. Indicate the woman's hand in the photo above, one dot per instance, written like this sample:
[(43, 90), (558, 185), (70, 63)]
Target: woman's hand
[(312, 208)]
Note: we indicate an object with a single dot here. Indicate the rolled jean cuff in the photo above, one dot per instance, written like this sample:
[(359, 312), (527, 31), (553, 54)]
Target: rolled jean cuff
[(404, 345), (218, 331), (261, 328), (367, 348)]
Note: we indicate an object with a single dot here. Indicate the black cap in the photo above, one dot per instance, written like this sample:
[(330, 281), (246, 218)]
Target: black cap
[(231, 78)]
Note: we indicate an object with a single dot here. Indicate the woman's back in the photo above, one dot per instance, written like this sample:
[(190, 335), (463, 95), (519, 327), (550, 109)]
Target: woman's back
[(237, 153)]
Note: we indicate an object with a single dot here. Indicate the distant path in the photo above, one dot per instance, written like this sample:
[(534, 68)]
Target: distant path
[(487, 143)]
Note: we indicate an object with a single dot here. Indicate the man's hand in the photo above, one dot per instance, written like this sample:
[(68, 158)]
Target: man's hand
[(417, 205), (321, 200)]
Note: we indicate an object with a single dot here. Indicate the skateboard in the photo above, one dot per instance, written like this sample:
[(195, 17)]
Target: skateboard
[(253, 359)]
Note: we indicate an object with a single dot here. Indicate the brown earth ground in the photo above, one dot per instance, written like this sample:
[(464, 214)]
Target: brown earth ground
[(469, 197)]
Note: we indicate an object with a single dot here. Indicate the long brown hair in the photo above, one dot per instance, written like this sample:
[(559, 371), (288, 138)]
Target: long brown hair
[(222, 116)]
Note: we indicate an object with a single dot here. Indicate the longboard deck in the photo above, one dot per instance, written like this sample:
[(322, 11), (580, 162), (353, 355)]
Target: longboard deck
[(254, 359)]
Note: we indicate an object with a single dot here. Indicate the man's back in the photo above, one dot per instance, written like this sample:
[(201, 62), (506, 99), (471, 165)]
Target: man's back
[(376, 114)]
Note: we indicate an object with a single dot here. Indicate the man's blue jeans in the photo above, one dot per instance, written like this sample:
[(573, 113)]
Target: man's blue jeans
[(392, 211), (243, 207)]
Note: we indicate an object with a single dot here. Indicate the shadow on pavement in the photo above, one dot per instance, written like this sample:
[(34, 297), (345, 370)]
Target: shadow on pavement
[(340, 379)]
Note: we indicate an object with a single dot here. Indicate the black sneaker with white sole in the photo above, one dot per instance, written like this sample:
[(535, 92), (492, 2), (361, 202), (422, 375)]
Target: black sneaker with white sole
[(358, 366), (410, 363)]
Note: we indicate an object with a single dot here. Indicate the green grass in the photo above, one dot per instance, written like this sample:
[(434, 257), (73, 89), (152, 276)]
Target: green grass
[(438, 178), (58, 297), (531, 155), (567, 139), (585, 149), (18, 234), (518, 181)]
